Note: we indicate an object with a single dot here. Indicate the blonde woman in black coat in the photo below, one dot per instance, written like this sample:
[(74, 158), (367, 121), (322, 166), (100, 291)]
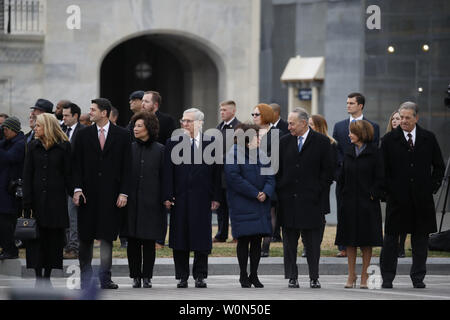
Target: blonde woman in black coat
[(47, 182), (359, 223)]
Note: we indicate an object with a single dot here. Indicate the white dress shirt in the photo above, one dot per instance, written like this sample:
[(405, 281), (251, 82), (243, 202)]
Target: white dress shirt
[(413, 133)]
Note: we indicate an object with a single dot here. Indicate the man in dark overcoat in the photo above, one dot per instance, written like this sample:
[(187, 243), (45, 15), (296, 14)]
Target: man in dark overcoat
[(229, 121), (191, 191), (101, 178), (305, 172), (414, 169)]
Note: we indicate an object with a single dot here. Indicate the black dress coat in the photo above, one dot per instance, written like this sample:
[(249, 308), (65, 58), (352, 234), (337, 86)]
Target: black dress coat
[(302, 179), (12, 154), (411, 179), (102, 175), (146, 218), (282, 125), (361, 180), (47, 180), (194, 187)]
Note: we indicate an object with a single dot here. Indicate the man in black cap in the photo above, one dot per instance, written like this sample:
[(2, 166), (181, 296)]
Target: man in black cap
[(135, 107), (41, 106), (12, 154)]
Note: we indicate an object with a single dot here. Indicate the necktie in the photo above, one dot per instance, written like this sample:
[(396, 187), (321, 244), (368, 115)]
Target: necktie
[(68, 133), (300, 143), (410, 141), (102, 138)]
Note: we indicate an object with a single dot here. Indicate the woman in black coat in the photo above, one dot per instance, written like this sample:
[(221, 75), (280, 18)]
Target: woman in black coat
[(249, 195), (359, 223), (146, 221), (47, 182)]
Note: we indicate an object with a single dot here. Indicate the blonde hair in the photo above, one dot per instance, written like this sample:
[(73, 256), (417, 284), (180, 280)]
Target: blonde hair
[(52, 130), (321, 126), (389, 126)]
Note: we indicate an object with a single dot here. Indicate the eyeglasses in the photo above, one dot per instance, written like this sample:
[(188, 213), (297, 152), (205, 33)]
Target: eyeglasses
[(186, 121), (256, 114)]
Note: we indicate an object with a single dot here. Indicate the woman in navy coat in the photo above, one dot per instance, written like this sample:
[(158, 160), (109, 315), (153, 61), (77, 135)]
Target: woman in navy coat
[(249, 200)]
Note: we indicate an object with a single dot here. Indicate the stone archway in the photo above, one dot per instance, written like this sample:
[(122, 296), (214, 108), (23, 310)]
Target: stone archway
[(176, 66)]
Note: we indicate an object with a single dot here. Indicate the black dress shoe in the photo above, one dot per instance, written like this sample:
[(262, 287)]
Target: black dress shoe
[(314, 284), (6, 255), (386, 285), (401, 253), (182, 284), (245, 282), (293, 283), (136, 282), (419, 285), (304, 253), (109, 285), (200, 283), (264, 254), (147, 283), (255, 281)]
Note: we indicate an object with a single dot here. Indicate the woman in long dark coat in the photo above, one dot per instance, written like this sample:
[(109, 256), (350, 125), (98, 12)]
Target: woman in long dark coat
[(359, 223), (146, 221), (47, 182), (249, 194)]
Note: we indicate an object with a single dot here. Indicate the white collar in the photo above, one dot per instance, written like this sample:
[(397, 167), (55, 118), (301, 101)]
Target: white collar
[(106, 127), (413, 133), (305, 135), (359, 118), (228, 122), (276, 123)]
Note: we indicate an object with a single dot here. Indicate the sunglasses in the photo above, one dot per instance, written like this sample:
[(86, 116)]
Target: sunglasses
[(256, 114)]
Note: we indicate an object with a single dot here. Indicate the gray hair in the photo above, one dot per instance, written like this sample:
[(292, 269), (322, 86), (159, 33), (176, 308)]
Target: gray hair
[(408, 105), (198, 114), (302, 114)]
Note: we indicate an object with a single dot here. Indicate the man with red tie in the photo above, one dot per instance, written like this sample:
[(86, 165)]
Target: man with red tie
[(101, 180)]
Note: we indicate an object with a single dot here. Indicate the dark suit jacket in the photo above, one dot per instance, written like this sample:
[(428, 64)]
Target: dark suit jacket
[(166, 126), (283, 126), (102, 175), (302, 179), (193, 186), (75, 133), (233, 126), (340, 134), (411, 179)]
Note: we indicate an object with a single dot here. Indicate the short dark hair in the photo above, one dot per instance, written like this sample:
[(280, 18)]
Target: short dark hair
[(4, 115), (74, 109), (103, 104), (151, 123), (359, 97), (114, 112), (156, 97), (363, 129)]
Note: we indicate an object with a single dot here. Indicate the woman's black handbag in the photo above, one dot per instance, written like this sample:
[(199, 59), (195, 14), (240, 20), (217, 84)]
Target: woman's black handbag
[(26, 228)]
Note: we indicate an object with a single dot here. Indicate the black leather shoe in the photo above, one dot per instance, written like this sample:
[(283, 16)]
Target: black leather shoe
[(401, 253), (200, 283), (6, 255), (109, 285), (182, 284), (315, 284), (147, 283), (264, 254), (245, 282), (419, 285), (255, 281), (386, 285), (136, 282), (293, 283)]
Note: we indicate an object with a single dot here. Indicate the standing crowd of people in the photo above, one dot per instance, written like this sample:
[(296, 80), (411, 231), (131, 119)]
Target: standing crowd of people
[(89, 179)]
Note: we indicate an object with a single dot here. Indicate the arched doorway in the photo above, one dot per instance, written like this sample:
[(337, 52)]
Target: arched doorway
[(173, 65)]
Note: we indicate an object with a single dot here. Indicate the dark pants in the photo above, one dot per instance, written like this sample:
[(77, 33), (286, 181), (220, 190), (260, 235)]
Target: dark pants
[(7, 227), (222, 218), (181, 260), (389, 256), (141, 257), (242, 250), (85, 258), (338, 205), (311, 238)]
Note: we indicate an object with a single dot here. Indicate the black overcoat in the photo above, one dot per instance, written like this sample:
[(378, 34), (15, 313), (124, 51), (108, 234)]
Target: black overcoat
[(302, 179), (361, 181), (146, 218), (102, 175), (411, 179), (47, 180), (194, 187)]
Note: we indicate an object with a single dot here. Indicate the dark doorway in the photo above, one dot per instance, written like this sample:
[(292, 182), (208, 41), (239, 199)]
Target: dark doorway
[(142, 64)]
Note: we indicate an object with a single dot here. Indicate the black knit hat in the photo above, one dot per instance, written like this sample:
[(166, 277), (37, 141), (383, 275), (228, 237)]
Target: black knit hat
[(12, 123)]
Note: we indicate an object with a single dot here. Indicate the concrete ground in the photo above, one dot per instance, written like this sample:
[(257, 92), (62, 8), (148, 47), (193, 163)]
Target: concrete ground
[(227, 287)]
